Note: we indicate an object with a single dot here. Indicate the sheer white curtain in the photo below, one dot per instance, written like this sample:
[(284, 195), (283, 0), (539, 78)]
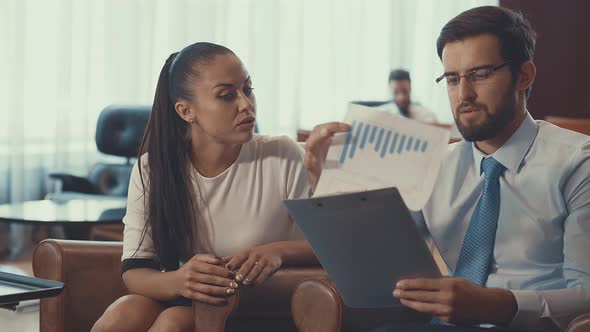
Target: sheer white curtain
[(62, 61), (51, 89)]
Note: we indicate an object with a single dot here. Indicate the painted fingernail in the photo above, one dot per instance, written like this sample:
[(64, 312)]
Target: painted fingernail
[(239, 277), (246, 281), (229, 267), (230, 291), (396, 293), (233, 285)]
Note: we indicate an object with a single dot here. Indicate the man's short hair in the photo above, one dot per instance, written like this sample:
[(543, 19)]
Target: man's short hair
[(514, 32), (399, 75)]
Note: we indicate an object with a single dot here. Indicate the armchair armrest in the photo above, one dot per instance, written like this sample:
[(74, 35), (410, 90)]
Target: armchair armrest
[(91, 273), (580, 324), (74, 183), (92, 276), (266, 307), (317, 306)]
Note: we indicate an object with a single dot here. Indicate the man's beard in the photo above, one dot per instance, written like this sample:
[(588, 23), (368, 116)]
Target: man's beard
[(493, 124)]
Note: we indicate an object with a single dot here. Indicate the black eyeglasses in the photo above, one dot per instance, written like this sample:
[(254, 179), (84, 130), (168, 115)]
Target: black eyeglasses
[(475, 76)]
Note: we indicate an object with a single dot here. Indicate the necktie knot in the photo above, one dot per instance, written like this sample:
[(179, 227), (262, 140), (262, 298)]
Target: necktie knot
[(492, 168)]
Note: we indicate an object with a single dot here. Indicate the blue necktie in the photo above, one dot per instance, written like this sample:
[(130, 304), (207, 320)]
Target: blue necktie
[(478, 246)]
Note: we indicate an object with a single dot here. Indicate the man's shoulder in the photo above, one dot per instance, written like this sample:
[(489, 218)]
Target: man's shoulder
[(561, 135), (421, 113), (559, 141), (418, 107)]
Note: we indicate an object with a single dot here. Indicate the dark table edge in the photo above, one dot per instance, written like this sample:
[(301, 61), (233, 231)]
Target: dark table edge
[(46, 288), (60, 222)]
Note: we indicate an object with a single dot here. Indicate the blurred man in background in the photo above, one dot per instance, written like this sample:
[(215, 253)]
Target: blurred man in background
[(400, 86)]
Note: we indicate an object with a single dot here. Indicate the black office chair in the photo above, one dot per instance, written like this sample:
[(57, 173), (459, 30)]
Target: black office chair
[(119, 131)]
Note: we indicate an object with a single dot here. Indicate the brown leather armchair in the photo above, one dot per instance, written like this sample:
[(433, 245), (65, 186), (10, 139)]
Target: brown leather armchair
[(317, 306), (91, 273), (580, 324)]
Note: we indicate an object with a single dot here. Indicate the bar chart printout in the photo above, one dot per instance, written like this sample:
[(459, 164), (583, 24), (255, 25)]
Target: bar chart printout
[(384, 150)]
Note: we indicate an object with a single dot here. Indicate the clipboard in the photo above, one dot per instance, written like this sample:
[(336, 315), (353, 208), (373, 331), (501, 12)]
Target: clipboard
[(366, 242)]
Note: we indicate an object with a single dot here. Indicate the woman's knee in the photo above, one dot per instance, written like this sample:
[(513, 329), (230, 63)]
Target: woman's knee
[(174, 319), (128, 314)]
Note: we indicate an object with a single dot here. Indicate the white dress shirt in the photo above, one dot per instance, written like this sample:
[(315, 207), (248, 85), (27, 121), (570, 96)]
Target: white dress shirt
[(542, 247)]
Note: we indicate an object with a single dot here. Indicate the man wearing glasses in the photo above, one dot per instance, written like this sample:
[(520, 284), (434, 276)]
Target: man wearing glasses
[(510, 213)]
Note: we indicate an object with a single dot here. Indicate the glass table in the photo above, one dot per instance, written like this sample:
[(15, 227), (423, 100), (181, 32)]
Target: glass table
[(77, 216)]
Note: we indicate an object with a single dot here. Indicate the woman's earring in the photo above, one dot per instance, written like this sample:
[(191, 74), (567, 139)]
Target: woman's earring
[(191, 119)]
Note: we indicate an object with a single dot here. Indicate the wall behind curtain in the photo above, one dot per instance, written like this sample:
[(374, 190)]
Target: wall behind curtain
[(561, 56), (62, 61)]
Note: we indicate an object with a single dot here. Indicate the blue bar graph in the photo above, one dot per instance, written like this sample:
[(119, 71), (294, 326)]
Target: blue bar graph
[(364, 140), (424, 145), (347, 143), (410, 141), (387, 142), (384, 149), (417, 145), (355, 139), (392, 148), (401, 144), (379, 139), (372, 139)]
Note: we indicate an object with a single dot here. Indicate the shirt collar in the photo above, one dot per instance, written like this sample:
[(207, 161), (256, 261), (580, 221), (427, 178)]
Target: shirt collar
[(513, 151)]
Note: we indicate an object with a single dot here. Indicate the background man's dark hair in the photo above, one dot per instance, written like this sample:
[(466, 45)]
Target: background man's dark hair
[(399, 75), (514, 32)]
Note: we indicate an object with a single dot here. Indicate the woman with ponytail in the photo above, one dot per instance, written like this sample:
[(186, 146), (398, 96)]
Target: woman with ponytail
[(205, 213)]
